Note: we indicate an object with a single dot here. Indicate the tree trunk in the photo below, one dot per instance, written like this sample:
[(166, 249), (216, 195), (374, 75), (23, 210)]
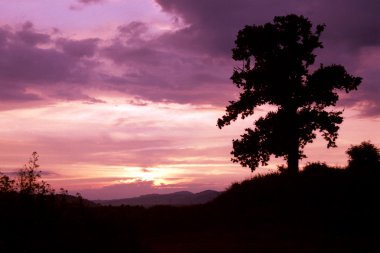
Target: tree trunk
[(293, 158), (293, 152)]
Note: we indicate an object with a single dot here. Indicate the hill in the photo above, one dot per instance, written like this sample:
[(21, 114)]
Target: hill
[(316, 211), (181, 198), (331, 210)]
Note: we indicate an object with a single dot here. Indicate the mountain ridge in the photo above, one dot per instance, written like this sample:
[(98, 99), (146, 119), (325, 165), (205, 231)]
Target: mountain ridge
[(180, 198)]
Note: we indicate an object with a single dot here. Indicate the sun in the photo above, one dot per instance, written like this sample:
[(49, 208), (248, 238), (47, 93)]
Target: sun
[(154, 175)]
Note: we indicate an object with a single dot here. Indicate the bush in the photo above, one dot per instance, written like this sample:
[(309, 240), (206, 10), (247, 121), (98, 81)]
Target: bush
[(6, 184), (364, 157), (316, 167)]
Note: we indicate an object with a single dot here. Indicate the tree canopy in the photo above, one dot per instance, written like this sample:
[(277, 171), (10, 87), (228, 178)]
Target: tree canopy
[(277, 62)]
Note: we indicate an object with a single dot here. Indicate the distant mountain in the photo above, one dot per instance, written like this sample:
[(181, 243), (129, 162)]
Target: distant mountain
[(181, 198)]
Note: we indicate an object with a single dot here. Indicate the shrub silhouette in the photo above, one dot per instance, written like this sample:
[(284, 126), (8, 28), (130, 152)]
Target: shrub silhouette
[(6, 184), (316, 167), (364, 157)]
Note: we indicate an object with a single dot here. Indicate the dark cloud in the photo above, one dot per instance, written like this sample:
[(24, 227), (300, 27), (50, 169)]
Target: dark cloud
[(25, 66), (191, 64), (133, 29), (34, 65), (157, 71), (45, 173), (212, 26), (123, 54), (29, 36), (16, 93), (79, 48), (354, 23), (366, 98), (4, 35)]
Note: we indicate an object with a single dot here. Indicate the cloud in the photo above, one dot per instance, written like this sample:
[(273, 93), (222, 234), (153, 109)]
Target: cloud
[(156, 71), (79, 48), (192, 63), (189, 62), (14, 173), (212, 25), (81, 3), (32, 66), (90, 1), (35, 65), (366, 98), (30, 37), (133, 29), (16, 93), (351, 23)]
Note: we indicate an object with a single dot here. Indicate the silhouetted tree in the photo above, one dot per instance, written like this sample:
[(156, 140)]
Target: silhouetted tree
[(28, 178), (364, 157), (276, 60)]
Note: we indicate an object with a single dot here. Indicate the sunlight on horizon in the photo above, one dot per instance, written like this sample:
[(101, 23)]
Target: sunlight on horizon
[(120, 142)]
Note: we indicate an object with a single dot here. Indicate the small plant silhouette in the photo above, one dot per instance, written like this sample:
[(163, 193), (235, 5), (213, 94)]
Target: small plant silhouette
[(28, 178)]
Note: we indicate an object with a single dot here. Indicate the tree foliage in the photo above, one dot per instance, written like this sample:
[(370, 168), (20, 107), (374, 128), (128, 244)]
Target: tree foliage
[(277, 59)]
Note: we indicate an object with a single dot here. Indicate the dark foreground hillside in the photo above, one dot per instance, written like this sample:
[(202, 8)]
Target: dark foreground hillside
[(316, 211)]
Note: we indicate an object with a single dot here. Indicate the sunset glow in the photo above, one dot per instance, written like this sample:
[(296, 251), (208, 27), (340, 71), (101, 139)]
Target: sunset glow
[(121, 98)]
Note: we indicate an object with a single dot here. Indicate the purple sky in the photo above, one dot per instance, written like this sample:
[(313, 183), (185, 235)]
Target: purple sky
[(121, 98)]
